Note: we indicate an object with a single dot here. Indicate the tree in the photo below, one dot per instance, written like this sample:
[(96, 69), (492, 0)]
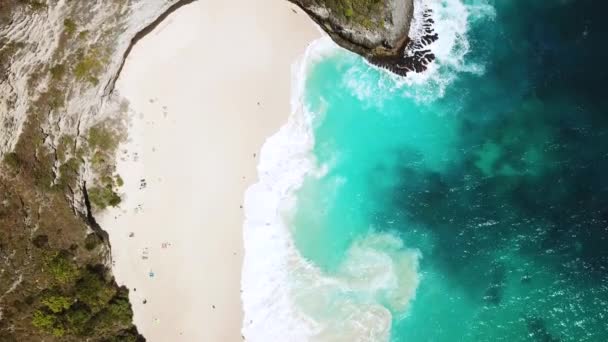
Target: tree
[(93, 291)]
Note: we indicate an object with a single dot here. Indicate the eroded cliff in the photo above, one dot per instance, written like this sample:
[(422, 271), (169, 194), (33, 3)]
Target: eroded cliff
[(379, 30)]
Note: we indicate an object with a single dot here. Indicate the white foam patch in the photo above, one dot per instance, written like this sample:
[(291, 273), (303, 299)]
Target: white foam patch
[(270, 254), (453, 20)]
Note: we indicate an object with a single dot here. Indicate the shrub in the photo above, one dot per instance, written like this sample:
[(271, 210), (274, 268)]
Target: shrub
[(119, 181), (125, 336), (76, 319), (69, 26), (91, 241), (58, 71), (41, 241), (120, 308), (93, 291), (42, 320), (36, 5), (57, 303), (65, 144), (62, 268), (102, 138), (12, 160), (102, 197), (88, 68), (68, 172), (98, 160), (58, 331), (48, 323)]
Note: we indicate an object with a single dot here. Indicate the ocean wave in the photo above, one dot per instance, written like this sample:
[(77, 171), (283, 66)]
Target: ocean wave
[(452, 21), (287, 298), (270, 252)]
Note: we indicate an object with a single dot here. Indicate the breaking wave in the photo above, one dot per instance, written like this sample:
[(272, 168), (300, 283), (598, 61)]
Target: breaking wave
[(289, 298)]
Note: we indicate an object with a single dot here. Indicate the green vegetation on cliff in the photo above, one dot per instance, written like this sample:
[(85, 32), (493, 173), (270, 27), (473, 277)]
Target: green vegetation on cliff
[(58, 287), (367, 13), (58, 291)]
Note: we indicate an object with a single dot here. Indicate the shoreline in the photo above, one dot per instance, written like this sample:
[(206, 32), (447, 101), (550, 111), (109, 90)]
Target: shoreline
[(285, 160), (176, 238)]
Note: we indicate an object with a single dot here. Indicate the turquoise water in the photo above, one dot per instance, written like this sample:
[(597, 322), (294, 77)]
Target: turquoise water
[(492, 192)]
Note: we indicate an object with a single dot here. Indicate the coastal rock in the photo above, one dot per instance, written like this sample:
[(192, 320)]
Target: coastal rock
[(378, 30)]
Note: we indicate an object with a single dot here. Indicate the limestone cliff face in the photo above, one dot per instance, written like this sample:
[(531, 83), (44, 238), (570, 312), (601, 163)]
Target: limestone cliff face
[(59, 128), (368, 27), (377, 30), (87, 39)]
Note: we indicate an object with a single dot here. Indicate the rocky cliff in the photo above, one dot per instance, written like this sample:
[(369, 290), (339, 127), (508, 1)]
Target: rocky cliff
[(379, 30), (60, 124)]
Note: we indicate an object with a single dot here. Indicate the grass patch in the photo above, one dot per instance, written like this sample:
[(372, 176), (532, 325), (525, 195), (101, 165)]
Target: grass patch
[(62, 268), (102, 138), (64, 146), (367, 13), (69, 26), (57, 304), (36, 5), (92, 241), (89, 67), (69, 173), (103, 197), (57, 72), (12, 160)]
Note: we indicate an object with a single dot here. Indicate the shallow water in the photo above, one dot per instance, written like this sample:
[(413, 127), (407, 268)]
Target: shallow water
[(470, 204)]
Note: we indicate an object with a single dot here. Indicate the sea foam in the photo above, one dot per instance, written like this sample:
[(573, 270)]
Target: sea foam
[(452, 21), (270, 253), (285, 297)]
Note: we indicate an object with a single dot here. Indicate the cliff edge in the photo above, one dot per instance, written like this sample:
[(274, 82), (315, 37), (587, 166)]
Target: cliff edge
[(379, 30)]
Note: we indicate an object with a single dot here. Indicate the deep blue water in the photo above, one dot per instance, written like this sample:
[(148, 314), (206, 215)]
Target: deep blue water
[(497, 188)]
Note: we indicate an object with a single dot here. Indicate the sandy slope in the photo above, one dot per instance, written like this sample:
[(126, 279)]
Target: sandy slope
[(205, 89)]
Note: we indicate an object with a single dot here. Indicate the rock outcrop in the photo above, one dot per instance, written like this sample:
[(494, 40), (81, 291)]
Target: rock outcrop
[(378, 30)]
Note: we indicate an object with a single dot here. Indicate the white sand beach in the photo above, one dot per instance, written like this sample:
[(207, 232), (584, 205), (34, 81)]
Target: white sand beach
[(205, 89)]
